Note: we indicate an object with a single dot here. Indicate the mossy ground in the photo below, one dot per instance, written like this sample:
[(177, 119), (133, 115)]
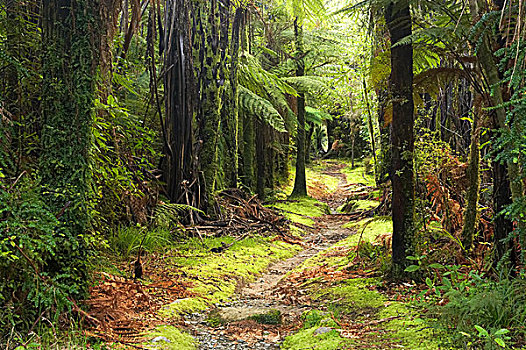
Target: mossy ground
[(215, 276), (358, 175), (358, 299)]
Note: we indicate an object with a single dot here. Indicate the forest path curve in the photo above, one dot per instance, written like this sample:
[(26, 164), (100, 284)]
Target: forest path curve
[(237, 324)]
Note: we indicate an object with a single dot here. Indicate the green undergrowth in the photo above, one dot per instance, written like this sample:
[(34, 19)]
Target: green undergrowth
[(215, 276), (359, 300)]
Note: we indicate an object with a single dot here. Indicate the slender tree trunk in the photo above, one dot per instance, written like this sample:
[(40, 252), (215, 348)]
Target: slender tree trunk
[(384, 161), (308, 143), (260, 160), (472, 172), (300, 181), (249, 151), (370, 125), (398, 18), (67, 106)]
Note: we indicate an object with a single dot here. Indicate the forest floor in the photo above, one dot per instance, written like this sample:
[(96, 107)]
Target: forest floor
[(324, 291)]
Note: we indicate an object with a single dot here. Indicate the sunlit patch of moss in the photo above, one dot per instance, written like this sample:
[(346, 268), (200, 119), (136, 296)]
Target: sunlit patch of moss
[(171, 338), (369, 229), (403, 324), (307, 339), (410, 329), (310, 336), (356, 205), (219, 274), (354, 294), (302, 210), (357, 175)]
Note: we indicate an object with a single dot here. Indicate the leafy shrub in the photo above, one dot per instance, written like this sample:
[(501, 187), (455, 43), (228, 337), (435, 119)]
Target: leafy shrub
[(477, 314), (127, 240), (27, 242)]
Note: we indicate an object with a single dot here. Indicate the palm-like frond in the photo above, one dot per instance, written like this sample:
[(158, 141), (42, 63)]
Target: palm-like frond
[(315, 116), (260, 107), (312, 85)]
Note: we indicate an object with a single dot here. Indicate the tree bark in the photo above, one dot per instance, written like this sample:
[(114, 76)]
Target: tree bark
[(471, 212), (398, 18), (300, 181), (70, 39)]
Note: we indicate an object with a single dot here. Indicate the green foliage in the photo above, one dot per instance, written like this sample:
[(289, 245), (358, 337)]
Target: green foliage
[(124, 152), (255, 105), (126, 241), (28, 243), (485, 313)]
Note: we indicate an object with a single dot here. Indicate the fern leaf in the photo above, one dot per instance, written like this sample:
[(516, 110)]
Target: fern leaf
[(257, 106)]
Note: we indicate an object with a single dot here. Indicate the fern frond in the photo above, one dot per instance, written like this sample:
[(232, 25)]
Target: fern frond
[(255, 105), (311, 85), (315, 116)]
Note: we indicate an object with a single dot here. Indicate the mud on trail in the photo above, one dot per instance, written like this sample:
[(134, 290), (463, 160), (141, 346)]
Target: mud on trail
[(319, 298)]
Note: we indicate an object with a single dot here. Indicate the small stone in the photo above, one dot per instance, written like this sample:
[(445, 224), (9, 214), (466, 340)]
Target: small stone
[(322, 330), (158, 339)]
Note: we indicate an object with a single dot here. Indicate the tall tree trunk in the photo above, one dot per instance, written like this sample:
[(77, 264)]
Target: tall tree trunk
[(370, 125), (300, 181), (249, 151), (398, 18), (384, 161), (180, 92), (230, 111), (70, 60), (207, 60), (471, 212), (260, 160)]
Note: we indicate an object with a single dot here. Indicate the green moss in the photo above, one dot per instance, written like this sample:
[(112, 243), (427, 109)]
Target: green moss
[(307, 339), (173, 339), (271, 317), (355, 294), (371, 228), (301, 210), (219, 274), (357, 175), (411, 330)]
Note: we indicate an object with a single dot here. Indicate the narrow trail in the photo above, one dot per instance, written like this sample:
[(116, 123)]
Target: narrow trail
[(235, 329)]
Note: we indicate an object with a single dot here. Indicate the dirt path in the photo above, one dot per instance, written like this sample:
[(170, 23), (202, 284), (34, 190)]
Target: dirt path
[(238, 324)]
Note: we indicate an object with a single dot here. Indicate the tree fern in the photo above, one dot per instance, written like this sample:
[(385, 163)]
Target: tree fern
[(315, 116), (311, 85), (255, 105)]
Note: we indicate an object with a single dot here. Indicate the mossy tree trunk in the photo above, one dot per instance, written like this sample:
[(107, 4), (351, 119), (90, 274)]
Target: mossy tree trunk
[(249, 152), (230, 111), (398, 19), (260, 159), (70, 38), (300, 181), (207, 64), (384, 159)]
